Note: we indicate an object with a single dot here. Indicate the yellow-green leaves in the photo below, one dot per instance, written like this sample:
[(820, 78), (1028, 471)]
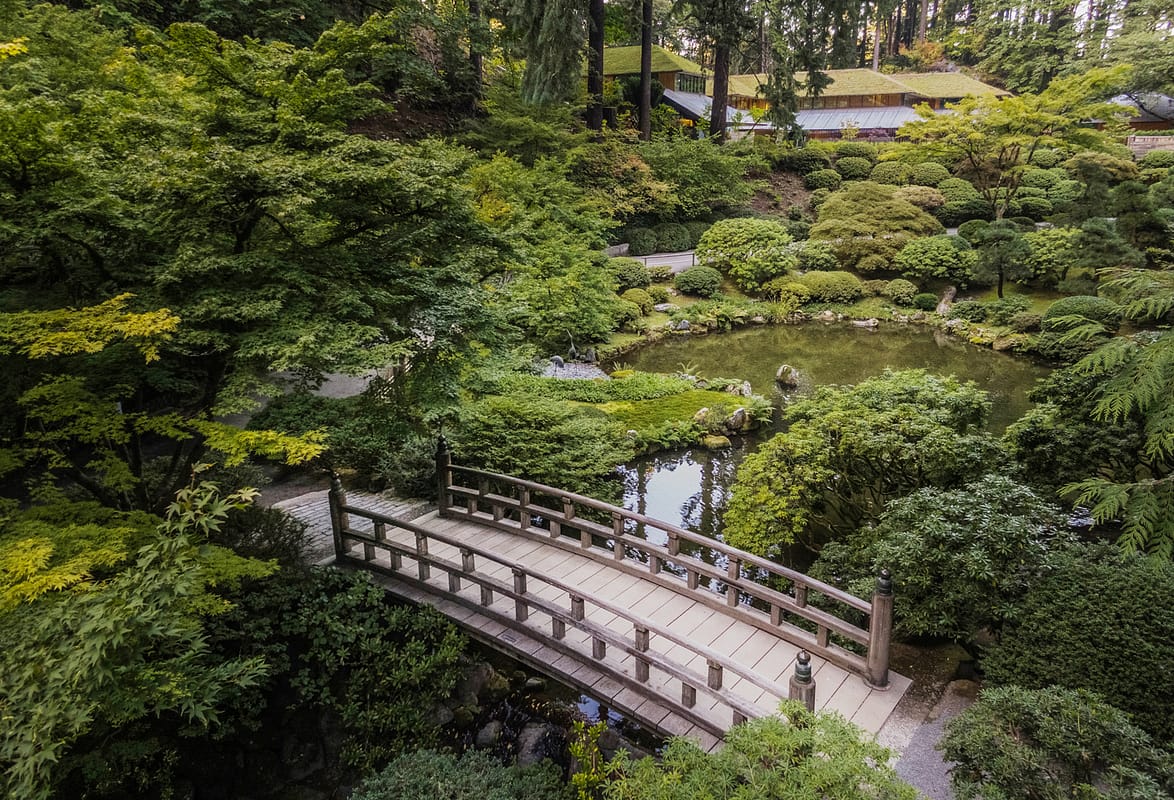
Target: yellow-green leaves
[(74, 331)]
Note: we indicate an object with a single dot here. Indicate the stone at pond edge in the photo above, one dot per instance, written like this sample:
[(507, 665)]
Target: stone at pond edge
[(465, 716), (540, 740), (701, 416), (827, 315), (738, 421), (535, 684), (663, 307), (1004, 343), (786, 375), (866, 323), (490, 734), (758, 320), (683, 326), (714, 442), (740, 390)]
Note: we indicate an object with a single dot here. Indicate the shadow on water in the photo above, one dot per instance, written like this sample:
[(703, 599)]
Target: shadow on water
[(691, 487)]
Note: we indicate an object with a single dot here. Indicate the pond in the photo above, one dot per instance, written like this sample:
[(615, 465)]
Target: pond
[(691, 487)]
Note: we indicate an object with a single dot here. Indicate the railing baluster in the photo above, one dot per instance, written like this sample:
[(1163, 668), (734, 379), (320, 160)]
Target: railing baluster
[(598, 649), (617, 530), (521, 609), (642, 646), (454, 581), (714, 679), (421, 553), (880, 629), (524, 509), (674, 543), (558, 628), (654, 563), (733, 574), (368, 551), (468, 563), (380, 531), (688, 695), (486, 595), (801, 595), (577, 612), (692, 578)]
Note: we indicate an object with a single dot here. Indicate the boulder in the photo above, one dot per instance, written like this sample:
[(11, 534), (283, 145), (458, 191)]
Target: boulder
[(740, 389), (538, 741), (758, 320), (947, 299), (1004, 343), (489, 735), (535, 684), (664, 308), (918, 316), (866, 323), (738, 420), (786, 375), (683, 326), (714, 442), (701, 416), (827, 315)]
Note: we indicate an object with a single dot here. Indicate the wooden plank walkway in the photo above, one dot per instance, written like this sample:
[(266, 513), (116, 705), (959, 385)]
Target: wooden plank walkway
[(764, 658)]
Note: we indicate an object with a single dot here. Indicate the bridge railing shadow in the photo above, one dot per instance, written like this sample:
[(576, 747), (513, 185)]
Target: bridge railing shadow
[(745, 588)]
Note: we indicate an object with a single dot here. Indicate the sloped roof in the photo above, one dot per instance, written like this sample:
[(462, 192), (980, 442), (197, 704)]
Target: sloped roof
[(696, 106), (626, 61), (1148, 106), (945, 85), (834, 119), (852, 82)]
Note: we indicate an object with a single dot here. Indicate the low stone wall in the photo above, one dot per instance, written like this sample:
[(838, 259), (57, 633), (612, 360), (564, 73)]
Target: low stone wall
[(1140, 145)]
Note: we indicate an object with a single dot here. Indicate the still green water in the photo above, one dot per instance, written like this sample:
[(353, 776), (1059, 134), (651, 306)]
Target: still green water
[(691, 487)]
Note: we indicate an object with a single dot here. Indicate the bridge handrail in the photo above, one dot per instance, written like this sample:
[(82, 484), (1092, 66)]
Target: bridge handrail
[(743, 556), (642, 626), (876, 637)]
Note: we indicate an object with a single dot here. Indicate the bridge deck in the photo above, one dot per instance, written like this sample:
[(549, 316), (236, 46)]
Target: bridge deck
[(770, 658)]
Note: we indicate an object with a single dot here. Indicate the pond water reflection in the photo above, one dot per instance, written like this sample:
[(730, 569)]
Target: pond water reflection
[(691, 487)]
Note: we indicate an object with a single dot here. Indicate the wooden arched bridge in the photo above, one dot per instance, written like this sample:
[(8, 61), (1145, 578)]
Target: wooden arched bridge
[(683, 633)]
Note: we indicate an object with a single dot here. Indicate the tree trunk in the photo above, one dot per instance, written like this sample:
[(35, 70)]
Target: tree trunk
[(721, 87), (646, 70), (876, 41), (475, 58), (999, 290), (923, 21), (595, 67)]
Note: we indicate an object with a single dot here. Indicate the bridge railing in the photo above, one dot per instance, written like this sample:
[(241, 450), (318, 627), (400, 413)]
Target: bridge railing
[(745, 586), (569, 608)]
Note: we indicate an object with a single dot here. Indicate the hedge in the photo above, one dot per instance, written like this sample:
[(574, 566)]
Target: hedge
[(832, 287), (699, 281), (641, 241)]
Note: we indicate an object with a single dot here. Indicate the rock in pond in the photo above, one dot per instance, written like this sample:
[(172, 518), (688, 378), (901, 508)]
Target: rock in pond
[(683, 326), (786, 375), (539, 740), (827, 315), (866, 323), (740, 389), (738, 421), (489, 735), (714, 442), (664, 308)]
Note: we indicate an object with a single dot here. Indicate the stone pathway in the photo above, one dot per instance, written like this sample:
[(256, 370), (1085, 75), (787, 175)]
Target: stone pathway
[(921, 765)]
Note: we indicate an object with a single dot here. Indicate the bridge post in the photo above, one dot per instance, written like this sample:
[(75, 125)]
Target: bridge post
[(338, 518), (880, 632), (521, 610), (443, 476), (801, 686), (642, 646)]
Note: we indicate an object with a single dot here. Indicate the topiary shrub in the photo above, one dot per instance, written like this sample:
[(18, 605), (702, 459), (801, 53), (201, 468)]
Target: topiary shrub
[(928, 173), (955, 212), (751, 251), (699, 281), (900, 291), (1157, 159), (1026, 224), (817, 255), (932, 257), (804, 160), (874, 287), (972, 229), (799, 229), (854, 169), (640, 298), (629, 274), (823, 179), (958, 190), (969, 310), (873, 262), (659, 294), (1066, 191), (926, 198), (1096, 618), (1050, 744), (893, 173), (1095, 309), (626, 314), (1002, 310), (784, 289), (641, 241), (1046, 159), (659, 273), (672, 237), (820, 196), (832, 287), (696, 228), (1025, 322), (862, 150), (1039, 179), (926, 301)]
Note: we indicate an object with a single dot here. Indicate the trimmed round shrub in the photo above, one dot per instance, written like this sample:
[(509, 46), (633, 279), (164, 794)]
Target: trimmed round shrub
[(629, 274), (1025, 224), (1095, 309), (1025, 322), (784, 289), (956, 212), (1157, 159), (856, 150), (928, 173), (853, 168), (823, 179), (926, 301), (639, 297), (659, 273), (900, 291), (1031, 191), (751, 251), (1066, 191), (926, 198), (699, 281), (1046, 159), (672, 237), (696, 228), (1035, 208), (957, 190), (626, 313), (931, 257), (804, 160), (659, 294), (1002, 310), (969, 310), (819, 196), (874, 287), (1039, 179), (972, 229), (893, 173), (817, 255), (641, 241), (1096, 619), (874, 262), (832, 287)]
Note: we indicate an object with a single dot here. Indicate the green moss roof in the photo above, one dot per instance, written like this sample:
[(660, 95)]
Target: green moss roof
[(626, 61), (865, 81)]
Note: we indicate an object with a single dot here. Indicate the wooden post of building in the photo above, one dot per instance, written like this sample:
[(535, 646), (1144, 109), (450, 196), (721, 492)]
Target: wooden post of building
[(338, 518), (802, 686), (880, 632), (443, 476)]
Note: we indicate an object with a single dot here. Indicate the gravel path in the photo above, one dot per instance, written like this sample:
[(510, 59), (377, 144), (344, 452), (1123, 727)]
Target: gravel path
[(920, 764)]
